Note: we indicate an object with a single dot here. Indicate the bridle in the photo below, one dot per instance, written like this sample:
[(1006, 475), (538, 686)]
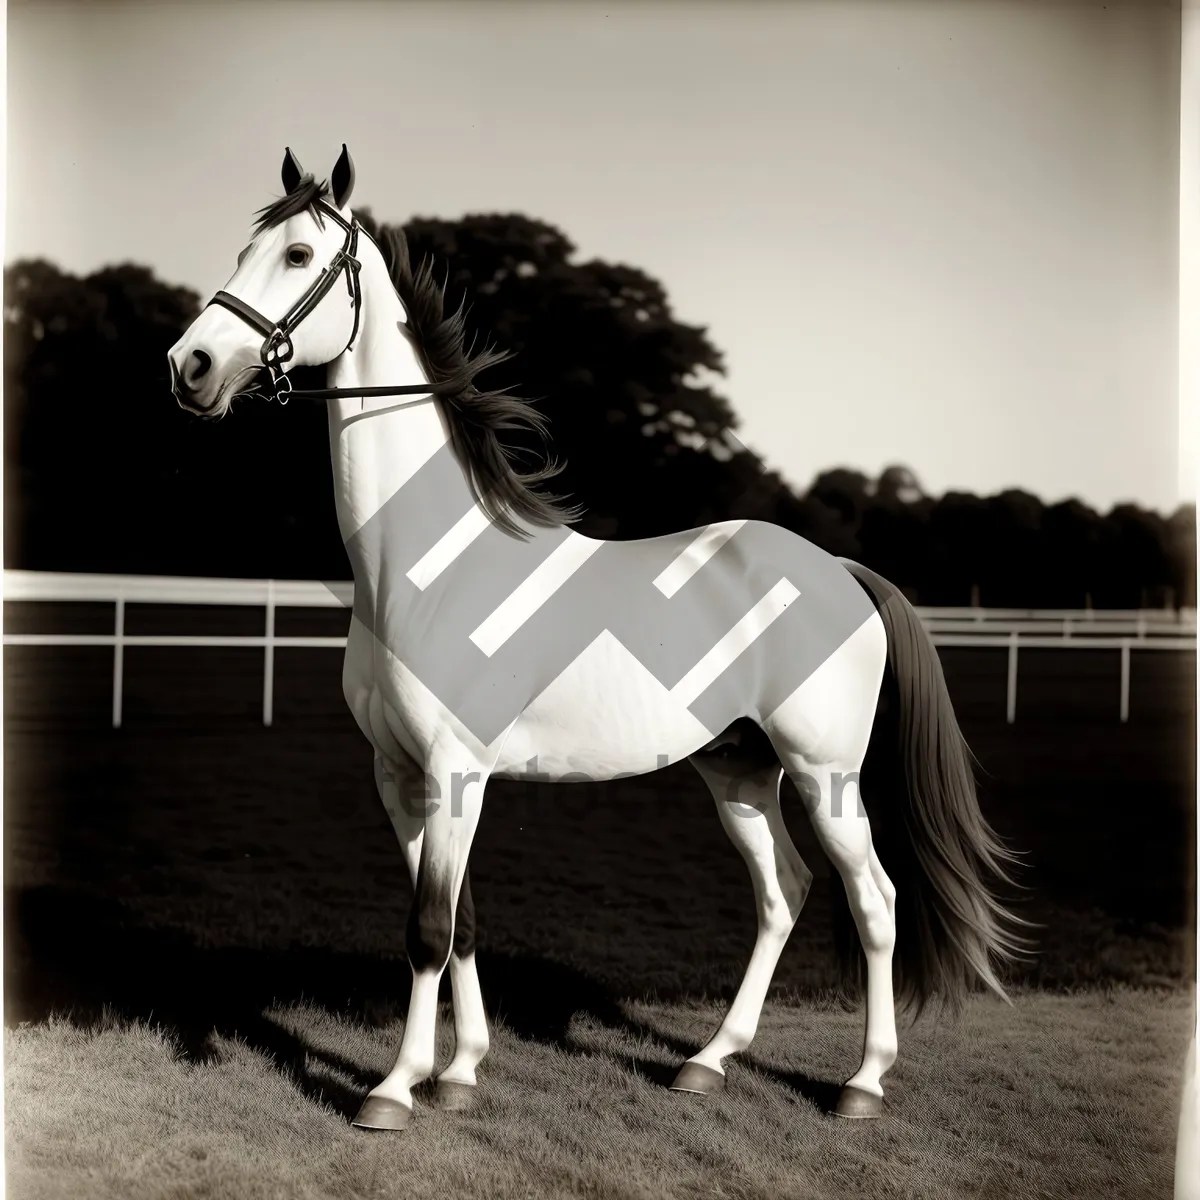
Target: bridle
[(277, 350)]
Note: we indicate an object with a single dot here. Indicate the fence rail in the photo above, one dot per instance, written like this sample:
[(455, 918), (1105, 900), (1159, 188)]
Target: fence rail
[(1011, 629)]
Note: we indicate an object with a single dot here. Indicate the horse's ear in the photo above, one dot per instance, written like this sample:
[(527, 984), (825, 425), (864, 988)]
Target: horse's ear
[(342, 178), (293, 172)]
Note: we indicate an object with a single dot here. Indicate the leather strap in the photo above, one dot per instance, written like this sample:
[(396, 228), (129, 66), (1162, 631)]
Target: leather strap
[(277, 347), (250, 315)]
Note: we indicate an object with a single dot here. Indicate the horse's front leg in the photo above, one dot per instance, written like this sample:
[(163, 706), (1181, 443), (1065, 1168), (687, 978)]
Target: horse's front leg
[(402, 791), (451, 807), (456, 1084)]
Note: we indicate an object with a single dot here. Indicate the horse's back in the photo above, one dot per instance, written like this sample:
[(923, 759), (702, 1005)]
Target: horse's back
[(687, 633), (664, 641)]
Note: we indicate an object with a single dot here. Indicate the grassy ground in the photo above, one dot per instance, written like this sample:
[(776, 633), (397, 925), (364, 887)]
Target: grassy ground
[(204, 959), (1060, 1096)]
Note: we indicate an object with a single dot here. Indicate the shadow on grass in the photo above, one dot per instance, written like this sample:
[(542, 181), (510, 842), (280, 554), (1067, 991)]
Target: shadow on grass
[(73, 955)]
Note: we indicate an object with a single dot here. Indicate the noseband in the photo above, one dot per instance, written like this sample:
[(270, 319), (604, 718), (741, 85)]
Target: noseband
[(277, 350)]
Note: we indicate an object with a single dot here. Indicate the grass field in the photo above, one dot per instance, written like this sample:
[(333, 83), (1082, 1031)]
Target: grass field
[(1061, 1096), (205, 973)]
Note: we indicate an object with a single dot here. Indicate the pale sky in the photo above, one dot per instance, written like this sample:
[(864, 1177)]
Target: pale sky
[(940, 234)]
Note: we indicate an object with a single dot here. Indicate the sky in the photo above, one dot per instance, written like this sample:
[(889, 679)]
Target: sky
[(938, 234)]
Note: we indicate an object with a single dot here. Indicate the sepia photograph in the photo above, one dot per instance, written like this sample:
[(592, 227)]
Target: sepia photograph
[(600, 599)]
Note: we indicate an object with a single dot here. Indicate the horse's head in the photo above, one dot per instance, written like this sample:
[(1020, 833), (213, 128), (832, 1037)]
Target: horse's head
[(293, 300)]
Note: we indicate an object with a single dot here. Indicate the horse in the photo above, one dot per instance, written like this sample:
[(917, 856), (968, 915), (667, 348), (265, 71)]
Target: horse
[(489, 639)]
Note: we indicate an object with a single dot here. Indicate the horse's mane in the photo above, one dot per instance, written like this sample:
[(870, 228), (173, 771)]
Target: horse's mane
[(476, 417), (303, 196)]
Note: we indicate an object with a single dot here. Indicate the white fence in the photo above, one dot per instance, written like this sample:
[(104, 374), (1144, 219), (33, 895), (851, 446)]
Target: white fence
[(1011, 629)]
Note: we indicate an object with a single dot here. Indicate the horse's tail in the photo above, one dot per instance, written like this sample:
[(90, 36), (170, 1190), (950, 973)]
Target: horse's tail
[(942, 855)]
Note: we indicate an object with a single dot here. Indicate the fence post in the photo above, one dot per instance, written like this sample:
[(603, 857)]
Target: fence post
[(269, 657), (118, 662), (1124, 680), (1012, 677)]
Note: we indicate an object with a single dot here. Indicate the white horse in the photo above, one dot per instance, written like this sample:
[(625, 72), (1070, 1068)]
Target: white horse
[(489, 639)]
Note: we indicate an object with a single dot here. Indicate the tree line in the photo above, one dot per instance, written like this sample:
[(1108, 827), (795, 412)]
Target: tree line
[(105, 473)]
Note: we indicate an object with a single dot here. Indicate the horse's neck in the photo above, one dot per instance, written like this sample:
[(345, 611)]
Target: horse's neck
[(378, 444)]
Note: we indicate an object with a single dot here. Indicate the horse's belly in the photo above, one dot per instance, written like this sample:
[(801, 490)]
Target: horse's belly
[(605, 715)]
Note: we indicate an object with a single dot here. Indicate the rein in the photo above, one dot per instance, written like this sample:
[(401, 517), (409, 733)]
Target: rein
[(277, 349)]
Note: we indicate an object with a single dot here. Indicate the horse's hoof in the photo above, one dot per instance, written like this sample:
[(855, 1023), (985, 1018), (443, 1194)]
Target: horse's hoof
[(858, 1105), (698, 1079), (453, 1096), (378, 1112)]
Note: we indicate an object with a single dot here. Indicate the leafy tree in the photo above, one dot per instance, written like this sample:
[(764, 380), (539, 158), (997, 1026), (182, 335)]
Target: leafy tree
[(106, 473), (1011, 562), (1135, 567), (90, 429), (1072, 532), (647, 442), (956, 549), (1181, 544), (894, 530)]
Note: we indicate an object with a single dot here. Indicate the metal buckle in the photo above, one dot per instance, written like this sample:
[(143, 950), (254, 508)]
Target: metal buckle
[(282, 393), (273, 351)]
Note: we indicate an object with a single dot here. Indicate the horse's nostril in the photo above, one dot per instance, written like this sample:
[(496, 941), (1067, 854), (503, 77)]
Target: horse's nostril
[(200, 364)]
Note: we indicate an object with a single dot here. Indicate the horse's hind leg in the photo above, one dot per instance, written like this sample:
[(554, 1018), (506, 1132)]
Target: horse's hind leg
[(831, 795), (845, 836), (823, 757), (747, 796)]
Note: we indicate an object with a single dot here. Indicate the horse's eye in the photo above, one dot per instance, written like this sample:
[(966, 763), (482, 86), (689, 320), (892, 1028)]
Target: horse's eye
[(299, 255)]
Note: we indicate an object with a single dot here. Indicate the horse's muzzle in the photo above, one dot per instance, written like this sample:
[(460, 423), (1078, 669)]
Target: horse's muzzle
[(185, 397)]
